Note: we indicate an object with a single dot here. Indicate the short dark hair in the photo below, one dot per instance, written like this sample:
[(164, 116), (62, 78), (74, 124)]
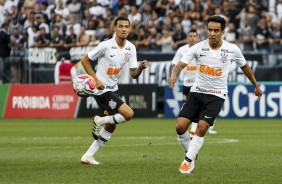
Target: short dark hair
[(218, 19), (121, 18), (193, 31)]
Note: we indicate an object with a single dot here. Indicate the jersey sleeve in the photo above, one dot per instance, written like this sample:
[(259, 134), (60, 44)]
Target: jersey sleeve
[(190, 54), (177, 57), (97, 51), (133, 57), (239, 58)]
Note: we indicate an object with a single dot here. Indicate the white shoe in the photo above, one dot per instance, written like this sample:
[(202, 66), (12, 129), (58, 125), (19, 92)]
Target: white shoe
[(212, 131), (85, 159), (186, 167), (96, 127)]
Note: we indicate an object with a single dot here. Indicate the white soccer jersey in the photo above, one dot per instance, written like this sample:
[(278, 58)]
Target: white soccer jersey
[(190, 70), (111, 60), (213, 66)]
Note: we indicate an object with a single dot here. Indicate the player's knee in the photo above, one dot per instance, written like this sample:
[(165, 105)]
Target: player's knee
[(128, 115), (181, 126)]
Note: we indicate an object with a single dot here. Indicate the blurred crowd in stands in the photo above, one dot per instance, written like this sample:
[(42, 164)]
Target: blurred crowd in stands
[(157, 25)]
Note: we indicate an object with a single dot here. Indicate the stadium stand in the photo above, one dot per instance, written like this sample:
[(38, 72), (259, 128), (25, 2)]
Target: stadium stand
[(157, 26)]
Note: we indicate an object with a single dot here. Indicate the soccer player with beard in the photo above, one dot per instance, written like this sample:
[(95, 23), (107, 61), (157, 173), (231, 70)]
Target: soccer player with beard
[(112, 56), (214, 57)]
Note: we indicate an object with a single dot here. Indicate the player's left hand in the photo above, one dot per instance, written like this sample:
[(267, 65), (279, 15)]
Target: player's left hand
[(171, 82), (258, 92), (144, 64)]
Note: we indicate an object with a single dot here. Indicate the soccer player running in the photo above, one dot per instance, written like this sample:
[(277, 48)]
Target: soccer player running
[(189, 76), (112, 56), (203, 104)]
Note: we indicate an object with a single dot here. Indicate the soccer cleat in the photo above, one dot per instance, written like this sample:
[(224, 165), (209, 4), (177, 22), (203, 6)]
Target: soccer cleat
[(211, 131), (186, 167), (96, 127), (88, 160)]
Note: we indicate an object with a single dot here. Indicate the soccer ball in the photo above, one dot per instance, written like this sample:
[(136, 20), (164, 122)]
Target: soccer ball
[(84, 85)]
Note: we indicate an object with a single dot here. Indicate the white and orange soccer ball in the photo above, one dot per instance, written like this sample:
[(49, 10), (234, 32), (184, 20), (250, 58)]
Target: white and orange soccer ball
[(84, 85)]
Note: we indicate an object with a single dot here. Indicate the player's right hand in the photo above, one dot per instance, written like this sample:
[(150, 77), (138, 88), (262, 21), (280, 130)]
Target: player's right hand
[(99, 85), (171, 82)]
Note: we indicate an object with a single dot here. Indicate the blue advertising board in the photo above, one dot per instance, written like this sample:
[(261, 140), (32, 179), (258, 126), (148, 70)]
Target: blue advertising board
[(241, 101)]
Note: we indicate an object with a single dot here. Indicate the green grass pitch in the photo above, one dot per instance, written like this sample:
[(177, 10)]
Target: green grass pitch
[(140, 151)]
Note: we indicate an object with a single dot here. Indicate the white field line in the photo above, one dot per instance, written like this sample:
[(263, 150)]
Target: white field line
[(170, 138)]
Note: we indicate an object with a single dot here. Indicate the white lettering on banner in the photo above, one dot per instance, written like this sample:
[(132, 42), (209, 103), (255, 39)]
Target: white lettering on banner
[(123, 99), (137, 102), (79, 52), (173, 103), (226, 108), (237, 75), (63, 98), (273, 100), (42, 55), (244, 103), (62, 102), (160, 71), (30, 102), (91, 103), (154, 99), (276, 107)]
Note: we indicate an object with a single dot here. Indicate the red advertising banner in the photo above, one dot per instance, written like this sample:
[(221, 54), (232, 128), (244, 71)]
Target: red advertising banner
[(41, 101)]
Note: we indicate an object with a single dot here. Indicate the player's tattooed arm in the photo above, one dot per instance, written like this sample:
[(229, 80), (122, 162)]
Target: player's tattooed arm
[(175, 73)]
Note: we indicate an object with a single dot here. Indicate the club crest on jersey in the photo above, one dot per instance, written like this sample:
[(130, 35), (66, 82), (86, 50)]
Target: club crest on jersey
[(112, 104), (126, 57), (223, 58)]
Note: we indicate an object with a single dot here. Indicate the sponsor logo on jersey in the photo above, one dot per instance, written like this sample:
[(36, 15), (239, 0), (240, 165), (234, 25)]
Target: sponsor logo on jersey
[(113, 47), (208, 90), (191, 68), (210, 70), (127, 48), (113, 71)]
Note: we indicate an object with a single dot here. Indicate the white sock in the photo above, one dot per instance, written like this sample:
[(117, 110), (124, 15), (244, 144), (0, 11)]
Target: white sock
[(113, 119), (193, 127), (97, 144), (184, 140), (194, 147)]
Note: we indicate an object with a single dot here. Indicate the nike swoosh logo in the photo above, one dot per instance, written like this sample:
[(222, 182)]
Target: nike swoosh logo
[(202, 55), (112, 55), (207, 117)]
